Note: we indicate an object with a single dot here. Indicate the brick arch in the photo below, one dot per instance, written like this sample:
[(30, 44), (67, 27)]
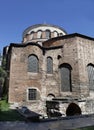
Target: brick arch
[(50, 96), (73, 109)]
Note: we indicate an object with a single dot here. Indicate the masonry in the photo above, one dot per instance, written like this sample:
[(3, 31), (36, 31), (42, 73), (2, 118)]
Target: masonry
[(51, 65)]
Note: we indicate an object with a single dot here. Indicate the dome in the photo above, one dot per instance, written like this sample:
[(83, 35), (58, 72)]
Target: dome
[(42, 32)]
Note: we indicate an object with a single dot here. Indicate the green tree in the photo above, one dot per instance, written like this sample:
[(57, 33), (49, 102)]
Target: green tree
[(3, 75)]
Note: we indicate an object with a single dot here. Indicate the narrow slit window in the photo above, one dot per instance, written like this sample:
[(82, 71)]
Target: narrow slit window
[(49, 65)]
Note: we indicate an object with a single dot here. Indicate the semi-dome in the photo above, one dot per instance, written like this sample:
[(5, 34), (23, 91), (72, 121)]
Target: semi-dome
[(42, 32)]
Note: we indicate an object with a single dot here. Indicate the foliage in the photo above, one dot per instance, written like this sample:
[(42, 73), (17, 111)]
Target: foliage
[(6, 114), (3, 75)]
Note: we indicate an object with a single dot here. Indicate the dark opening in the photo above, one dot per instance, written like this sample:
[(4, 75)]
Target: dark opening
[(73, 109), (52, 109)]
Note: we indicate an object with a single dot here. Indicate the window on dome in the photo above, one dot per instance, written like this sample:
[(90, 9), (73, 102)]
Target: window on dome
[(55, 34), (48, 34), (32, 35), (61, 34), (39, 34)]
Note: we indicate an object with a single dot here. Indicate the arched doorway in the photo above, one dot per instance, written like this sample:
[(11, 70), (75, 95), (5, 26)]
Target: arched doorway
[(73, 109)]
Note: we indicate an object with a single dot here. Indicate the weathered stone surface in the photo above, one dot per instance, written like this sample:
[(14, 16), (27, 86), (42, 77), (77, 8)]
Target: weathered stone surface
[(75, 50)]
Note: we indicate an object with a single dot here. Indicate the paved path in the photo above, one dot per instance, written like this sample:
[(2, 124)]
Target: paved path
[(65, 124)]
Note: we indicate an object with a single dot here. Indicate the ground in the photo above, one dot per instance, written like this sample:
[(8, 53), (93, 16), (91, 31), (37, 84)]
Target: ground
[(65, 124)]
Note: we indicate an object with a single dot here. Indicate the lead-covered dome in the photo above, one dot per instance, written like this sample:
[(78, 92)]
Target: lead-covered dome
[(42, 32)]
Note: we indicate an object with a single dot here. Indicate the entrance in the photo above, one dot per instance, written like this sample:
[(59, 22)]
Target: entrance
[(73, 109)]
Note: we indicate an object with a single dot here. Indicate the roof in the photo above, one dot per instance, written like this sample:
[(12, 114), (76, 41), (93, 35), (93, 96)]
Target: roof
[(50, 40), (40, 25)]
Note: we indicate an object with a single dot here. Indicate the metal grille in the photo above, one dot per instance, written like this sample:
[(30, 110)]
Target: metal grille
[(33, 64), (65, 79), (49, 65), (90, 70), (32, 93)]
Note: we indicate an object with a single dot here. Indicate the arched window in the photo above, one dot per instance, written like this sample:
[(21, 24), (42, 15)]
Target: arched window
[(48, 34), (39, 34), (90, 69), (32, 35), (55, 34), (65, 72), (61, 34), (33, 64), (32, 94), (49, 65)]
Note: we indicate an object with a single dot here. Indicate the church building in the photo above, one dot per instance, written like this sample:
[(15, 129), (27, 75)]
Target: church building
[(51, 68)]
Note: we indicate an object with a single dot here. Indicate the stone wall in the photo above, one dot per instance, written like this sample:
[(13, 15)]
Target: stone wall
[(76, 51)]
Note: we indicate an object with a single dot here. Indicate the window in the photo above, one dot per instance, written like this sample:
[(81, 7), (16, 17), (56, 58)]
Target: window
[(32, 94), (65, 71), (33, 64), (48, 34), (90, 70), (61, 34), (32, 35), (55, 34), (39, 34), (49, 65)]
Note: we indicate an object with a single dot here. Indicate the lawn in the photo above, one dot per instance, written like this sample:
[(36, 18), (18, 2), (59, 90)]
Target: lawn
[(86, 128), (7, 114)]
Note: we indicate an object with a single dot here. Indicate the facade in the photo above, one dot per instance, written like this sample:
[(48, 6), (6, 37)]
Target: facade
[(51, 68)]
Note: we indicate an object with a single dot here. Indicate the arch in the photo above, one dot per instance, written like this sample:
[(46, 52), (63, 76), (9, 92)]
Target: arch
[(48, 34), (61, 34), (32, 35), (49, 65), (33, 63), (65, 73), (50, 96), (55, 33), (73, 109), (39, 34), (90, 70)]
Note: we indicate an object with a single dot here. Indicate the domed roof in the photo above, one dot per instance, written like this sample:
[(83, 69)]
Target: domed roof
[(36, 27), (42, 32)]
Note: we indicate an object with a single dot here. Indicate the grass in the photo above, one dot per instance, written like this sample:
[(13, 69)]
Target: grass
[(6, 114), (86, 128)]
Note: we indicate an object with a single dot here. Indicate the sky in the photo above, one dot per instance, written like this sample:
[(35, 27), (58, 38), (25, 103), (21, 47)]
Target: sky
[(71, 15)]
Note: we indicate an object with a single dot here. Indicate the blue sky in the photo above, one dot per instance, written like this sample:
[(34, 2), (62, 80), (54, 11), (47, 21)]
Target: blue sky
[(17, 15)]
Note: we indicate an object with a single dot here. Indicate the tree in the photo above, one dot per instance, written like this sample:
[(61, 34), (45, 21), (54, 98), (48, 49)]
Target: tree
[(3, 75)]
